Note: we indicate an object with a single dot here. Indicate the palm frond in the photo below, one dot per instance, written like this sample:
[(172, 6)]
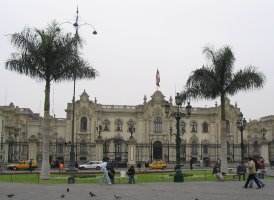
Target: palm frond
[(224, 64), (203, 84), (210, 54), (24, 41), (48, 54), (248, 78)]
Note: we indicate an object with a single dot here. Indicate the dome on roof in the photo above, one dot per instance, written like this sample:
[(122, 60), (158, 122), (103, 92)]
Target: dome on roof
[(84, 96), (157, 96)]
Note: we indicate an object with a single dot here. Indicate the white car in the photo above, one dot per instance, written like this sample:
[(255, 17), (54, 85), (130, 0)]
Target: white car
[(91, 165)]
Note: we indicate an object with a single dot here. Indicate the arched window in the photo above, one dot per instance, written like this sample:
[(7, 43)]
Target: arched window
[(106, 125), (194, 127), (119, 125), (157, 125), (83, 124), (205, 127), (60, 148), (194, 148), (106, 147), (194, 145), (205, 148)]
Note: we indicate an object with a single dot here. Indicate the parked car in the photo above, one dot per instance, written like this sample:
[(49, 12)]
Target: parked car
[(158, 164), (91, 165), (23, 165)]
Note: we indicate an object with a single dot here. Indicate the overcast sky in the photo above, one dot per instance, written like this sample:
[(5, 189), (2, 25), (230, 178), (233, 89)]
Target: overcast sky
[(135, 37)]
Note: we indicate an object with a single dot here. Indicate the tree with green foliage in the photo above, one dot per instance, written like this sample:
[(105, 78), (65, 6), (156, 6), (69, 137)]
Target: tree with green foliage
[(51, 56), (218, 80)]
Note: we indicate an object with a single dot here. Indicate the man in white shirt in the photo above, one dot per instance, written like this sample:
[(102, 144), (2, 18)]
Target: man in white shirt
[(106, 178)]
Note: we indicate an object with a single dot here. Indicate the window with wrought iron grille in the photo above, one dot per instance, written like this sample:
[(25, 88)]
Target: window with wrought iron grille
[(157, 125), (194, 127), (119, 125), (106, 125), (194, 148), (205, 127), (83, 124)]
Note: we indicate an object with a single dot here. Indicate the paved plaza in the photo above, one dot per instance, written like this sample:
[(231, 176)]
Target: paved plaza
[(231, 190)]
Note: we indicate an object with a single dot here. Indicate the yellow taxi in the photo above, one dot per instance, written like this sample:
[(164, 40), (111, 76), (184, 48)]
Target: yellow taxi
[(22, 165), (158, 164)]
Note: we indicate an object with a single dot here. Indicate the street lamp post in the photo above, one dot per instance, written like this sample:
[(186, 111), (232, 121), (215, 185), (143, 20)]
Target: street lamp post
[(178, 177), (241, 124), (72, 151), (169, 142)]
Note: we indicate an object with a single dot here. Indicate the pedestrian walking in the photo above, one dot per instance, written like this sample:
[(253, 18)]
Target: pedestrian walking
[(217, 171), (30, 165), (191, 163), (111, 172), (131, 174), (106, 178), (61, 167), (258, 167), (261, 168), (252, 173)]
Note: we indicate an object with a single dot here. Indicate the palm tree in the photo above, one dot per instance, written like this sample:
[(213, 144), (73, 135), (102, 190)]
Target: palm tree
[(218, 80), (48, 55)]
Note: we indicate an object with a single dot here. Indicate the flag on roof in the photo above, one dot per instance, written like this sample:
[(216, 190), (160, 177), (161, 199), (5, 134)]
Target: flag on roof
[(158, 78)]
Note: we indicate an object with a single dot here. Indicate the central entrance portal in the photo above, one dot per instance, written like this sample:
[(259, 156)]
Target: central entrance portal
[(157, 151)]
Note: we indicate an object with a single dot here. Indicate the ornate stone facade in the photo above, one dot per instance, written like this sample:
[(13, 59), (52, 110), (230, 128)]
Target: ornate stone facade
[(104, 130)]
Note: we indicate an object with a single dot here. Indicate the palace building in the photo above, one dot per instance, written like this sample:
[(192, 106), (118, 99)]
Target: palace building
[(132, 134)]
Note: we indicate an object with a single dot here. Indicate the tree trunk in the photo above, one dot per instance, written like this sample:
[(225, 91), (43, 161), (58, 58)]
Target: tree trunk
[(45, 169), (223, 136)]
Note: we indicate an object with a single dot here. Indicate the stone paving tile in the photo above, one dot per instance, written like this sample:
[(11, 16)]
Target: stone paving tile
[(151, 191)]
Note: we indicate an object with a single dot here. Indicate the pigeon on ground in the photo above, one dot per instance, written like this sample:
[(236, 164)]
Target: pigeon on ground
[(67, 189), (10, 195), (117, 197), (62, 196), (92, 194)]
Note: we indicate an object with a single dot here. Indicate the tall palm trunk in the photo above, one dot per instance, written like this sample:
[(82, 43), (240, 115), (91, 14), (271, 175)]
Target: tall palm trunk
[(223, 136), (44, 174)]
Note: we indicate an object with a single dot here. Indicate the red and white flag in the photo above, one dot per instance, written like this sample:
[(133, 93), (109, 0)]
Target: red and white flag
[(158, 78)]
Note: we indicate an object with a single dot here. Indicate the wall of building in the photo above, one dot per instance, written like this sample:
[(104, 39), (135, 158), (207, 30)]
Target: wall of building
[(23, 127)]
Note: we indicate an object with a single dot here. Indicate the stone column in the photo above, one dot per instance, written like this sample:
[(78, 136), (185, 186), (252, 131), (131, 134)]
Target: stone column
[(265, 152), (6, 152), (32, 154), (99, 148), (131, 151)]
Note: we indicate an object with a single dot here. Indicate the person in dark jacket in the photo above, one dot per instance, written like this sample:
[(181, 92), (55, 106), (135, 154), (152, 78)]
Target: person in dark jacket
[(131, 174), (241, 171), (217, 171), (111, 172)]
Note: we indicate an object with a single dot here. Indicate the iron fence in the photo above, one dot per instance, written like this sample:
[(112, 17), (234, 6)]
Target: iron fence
[(145, 152)]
